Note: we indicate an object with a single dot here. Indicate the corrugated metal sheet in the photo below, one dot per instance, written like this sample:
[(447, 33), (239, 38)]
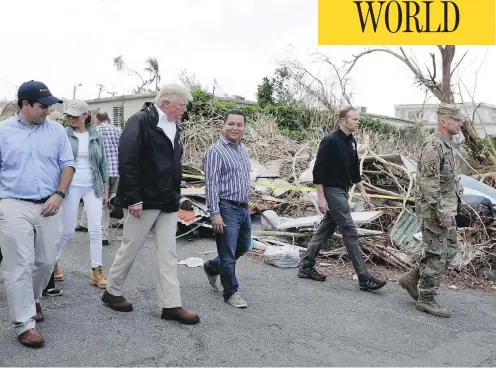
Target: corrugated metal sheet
[(407, 224), (187, 217)]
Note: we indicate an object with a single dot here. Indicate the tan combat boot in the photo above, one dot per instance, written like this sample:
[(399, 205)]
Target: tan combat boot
[(429, 305), (409, 281), (57, 275), (98, 279)]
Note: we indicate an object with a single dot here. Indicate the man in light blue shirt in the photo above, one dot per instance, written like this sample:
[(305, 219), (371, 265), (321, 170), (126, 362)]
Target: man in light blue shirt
[(36, 168)]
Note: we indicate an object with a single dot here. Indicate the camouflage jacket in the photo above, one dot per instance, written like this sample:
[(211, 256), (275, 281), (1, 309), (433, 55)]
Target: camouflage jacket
[(438, 179)]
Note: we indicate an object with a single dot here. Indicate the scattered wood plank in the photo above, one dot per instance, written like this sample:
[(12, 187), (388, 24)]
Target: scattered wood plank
[(359, 218), (192, 191)]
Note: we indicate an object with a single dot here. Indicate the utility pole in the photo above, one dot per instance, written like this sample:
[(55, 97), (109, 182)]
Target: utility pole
[(100, 88), (74, 91)]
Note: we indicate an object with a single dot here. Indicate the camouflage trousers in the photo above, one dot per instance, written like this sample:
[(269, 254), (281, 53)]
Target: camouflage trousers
[(439, 249)]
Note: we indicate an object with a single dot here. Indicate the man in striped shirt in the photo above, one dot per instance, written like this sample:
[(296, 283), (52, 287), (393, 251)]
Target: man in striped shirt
[(227, 183)]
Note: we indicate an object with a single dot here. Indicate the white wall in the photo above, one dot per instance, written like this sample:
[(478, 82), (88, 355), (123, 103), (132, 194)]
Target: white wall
[(429, 116), (131, 106)]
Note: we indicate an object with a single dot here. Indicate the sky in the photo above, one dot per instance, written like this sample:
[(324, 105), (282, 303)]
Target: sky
[(235, 42)]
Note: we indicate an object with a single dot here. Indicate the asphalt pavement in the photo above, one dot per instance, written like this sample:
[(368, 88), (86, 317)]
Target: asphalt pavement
[(289, 321)]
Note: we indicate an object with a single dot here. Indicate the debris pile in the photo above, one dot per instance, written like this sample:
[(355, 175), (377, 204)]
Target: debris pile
[(284, 196)]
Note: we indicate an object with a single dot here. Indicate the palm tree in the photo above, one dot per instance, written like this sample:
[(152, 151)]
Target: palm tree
[(154, 70), (120, 65)]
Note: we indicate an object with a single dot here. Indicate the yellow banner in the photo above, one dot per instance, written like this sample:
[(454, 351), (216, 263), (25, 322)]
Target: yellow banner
[(414, 22)]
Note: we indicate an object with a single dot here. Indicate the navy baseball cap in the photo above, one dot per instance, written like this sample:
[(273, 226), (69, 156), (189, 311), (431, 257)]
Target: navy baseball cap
[(37, 91)]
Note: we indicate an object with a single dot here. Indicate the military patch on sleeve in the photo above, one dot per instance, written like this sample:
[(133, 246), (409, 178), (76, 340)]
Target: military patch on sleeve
[(430, 160)]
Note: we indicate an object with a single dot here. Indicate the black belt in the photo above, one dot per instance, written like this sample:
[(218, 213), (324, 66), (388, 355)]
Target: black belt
[(240, 204), (35, 201)]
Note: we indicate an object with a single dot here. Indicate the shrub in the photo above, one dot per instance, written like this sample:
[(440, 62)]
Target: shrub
[(295, 121)]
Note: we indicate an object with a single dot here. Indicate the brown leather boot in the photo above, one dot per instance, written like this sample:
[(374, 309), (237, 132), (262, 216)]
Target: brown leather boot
[(39, 314), (181, 315), (31, 338), (117, 303), (409, 281)]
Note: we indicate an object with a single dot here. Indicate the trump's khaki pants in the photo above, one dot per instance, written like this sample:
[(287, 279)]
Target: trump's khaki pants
[(29, 248), (134, 235)]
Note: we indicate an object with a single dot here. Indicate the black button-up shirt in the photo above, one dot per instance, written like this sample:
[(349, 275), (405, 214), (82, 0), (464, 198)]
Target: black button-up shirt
[(337, 162)]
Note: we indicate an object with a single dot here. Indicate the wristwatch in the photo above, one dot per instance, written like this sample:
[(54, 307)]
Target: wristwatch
[(62, 194)]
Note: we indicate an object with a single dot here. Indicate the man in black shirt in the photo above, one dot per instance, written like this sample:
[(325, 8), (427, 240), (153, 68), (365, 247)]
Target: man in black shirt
[(336, 169)]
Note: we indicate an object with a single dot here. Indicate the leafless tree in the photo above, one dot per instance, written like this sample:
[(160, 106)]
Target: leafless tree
[(441, 88), (190, 81), (329, 88)]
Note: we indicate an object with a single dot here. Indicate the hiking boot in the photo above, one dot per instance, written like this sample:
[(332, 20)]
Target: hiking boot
[(311, 273), (212, 280), (429, 305), (236, 301), (372, 284), (39, 317), (117, 303), (180, 315), (97, 278), (57, 275), (409, 281)]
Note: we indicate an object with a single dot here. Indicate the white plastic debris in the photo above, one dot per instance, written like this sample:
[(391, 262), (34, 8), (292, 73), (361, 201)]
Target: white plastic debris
[(192, 262), (418, 236), (453, 287), (272, 217), (254, 174), (286, 256), (355, 277)]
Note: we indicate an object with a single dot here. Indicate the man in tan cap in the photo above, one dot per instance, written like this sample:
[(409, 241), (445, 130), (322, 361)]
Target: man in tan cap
[(438, 197)]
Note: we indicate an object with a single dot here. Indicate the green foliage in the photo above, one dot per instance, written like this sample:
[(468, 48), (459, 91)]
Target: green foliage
[(275, 90), (265, 92), (292, 120), (298, 135), (492, 138), (368, 124), (65, 122), (487, 151), (288, 116)]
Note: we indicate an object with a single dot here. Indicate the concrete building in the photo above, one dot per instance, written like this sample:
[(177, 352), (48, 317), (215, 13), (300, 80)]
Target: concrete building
[(120, 108), (426, 114), (394, 121)]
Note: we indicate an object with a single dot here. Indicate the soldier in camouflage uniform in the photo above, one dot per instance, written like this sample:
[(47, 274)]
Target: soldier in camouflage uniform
[(438, 199)]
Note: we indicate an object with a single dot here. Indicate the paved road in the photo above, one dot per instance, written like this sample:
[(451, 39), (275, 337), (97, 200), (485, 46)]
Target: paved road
[(289, 322)]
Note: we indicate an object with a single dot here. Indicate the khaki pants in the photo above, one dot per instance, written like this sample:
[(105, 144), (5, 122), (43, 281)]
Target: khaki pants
[(134, 236), (28, 242), (113, 182)]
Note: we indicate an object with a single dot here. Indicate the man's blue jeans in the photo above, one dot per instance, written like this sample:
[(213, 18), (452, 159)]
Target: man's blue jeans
[(232, 244)]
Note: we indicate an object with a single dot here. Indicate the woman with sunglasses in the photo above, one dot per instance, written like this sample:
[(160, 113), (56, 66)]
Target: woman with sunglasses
[(90, 183)]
